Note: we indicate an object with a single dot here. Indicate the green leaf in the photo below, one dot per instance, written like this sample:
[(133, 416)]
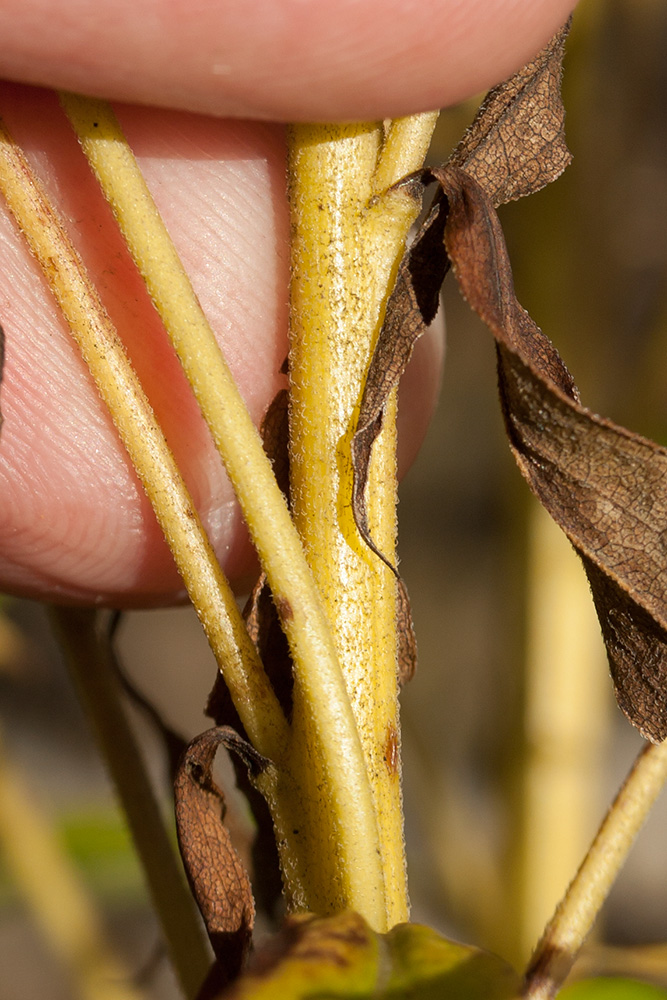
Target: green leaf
[(612, 989), (337, 957)]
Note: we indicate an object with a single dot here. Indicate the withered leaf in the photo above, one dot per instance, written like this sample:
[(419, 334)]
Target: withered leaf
[(605, 486), (514, 147), (264, 629), (407, 640), (217, 878), (275, 437), (411, 307), (516, 143)]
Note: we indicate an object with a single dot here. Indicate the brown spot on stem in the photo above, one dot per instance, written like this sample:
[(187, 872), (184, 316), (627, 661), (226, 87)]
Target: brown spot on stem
[(284, 609), (548, 969), (391, 749)]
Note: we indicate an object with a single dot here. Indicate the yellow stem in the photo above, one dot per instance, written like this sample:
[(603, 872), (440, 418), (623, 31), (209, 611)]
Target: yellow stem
[(318, 677), (555, 954), (568, 700), (134, 419), (345, 253), (57, 898), (403, 150)]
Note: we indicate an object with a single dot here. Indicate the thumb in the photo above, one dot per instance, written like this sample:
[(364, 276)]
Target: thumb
[(287, 60)]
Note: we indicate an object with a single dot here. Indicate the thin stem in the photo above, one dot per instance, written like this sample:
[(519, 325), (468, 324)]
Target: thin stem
[(346, 245), (318, 675), (57, 899), (90, 661), (403, 150), (555, 954), (141, 434)]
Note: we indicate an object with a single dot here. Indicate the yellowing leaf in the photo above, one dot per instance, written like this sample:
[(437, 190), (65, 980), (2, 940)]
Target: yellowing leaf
[(338, 957)]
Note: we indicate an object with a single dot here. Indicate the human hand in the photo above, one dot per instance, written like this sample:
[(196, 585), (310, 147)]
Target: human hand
[(74, 523)]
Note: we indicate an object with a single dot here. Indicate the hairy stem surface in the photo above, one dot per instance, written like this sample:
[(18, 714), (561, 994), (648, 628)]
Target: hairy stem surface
[(348, 236)]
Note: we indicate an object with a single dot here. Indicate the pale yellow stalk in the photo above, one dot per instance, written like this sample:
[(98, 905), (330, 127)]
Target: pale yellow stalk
[(145, 443), (555, 954), (57, 899), (347, 810), (346, 245), (567, 709), (90, 661)]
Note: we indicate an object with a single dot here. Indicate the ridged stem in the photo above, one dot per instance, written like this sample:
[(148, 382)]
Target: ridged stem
[(348, 235)]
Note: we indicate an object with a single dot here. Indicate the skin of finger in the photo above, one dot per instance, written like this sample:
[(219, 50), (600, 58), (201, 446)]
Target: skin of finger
[(284, 60), (74, 522)]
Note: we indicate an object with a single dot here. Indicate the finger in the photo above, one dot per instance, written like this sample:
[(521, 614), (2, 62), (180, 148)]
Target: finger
[(74, 521), (285, 60)]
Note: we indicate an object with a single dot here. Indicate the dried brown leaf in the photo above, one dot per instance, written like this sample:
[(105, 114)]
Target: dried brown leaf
[(217, 878), (275, 438), (514, 146), (407, 640), (516, 143), (411, 307), (605, 486)]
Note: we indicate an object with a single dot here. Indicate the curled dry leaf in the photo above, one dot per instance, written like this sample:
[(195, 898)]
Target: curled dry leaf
[(264, 629), (604, 485), (514, 147), (217, 878), (516, 144)]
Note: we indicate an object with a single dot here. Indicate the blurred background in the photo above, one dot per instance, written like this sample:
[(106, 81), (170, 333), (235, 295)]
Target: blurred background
[(513, 746)]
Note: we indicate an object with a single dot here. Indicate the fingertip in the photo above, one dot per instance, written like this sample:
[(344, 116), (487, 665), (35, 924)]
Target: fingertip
[(283, 60)]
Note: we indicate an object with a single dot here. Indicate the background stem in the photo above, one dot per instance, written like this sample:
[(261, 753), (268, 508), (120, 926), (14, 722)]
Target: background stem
[(90, 660), (57, 898)]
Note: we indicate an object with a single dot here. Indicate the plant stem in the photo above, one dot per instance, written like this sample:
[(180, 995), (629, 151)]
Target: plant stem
[(345, 251), (318, 677), (403, 150), (122, 393), (568, 701), (90, 660), (555, 954), (119, 388), (56, 897)]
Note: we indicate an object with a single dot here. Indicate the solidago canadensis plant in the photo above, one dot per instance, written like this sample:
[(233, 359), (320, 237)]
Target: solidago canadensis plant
[(306, 697)]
